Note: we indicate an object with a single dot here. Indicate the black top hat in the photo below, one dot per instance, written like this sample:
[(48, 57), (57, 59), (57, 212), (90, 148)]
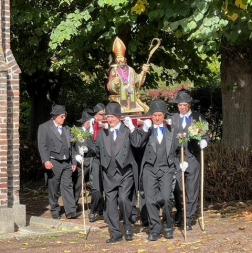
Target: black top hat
[(99, 107), (158, 106), (184, 97), (84, 117), (113, 108), (58, 110)]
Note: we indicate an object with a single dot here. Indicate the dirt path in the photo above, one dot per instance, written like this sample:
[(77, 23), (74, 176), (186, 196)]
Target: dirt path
[(228, 229)]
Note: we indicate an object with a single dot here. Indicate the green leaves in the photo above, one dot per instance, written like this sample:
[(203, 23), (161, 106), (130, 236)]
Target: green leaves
[(68, 28), (113, 3)]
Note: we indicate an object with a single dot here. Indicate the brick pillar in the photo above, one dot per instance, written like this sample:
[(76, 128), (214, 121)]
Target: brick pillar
[(9, 127)]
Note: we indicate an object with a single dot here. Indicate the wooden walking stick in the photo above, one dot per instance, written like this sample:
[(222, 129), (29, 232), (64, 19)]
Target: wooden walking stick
[(82, 195), (83, 188), (183, 187), (202, 189)]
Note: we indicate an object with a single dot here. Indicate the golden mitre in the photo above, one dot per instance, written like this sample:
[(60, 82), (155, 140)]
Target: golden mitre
[(119, 48)]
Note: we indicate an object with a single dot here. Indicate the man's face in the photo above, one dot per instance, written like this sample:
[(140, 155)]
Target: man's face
[(158, 118), (184, 108), (99, 116), (60, 119), (113, 120)]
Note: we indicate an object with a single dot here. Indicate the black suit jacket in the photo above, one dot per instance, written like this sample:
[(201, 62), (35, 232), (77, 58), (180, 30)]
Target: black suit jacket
[(122, 150), (192, 147), (147, 140), (49, 140)]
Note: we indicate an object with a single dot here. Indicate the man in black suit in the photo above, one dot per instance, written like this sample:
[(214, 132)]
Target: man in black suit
[(97, 202), (54, 144), (157, 168), (181, 121), (117, 163)]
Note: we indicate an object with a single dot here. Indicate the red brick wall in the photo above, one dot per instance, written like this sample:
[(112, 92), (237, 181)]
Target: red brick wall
[(9, 116)]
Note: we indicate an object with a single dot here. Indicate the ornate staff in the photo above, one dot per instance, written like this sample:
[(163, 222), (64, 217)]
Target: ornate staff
[(155, 43), (153, 47)]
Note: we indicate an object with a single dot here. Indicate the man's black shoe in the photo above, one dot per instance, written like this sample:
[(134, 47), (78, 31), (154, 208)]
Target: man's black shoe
[(168, 233), (71, 216), (189, 227), (128, 235), (114, 239), (153, 237), (56, 216), (94, 217)]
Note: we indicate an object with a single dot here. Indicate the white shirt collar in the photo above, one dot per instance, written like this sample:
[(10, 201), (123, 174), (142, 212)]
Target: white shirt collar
[(115, 128), (156, 126), (58, 126), (185, 115)]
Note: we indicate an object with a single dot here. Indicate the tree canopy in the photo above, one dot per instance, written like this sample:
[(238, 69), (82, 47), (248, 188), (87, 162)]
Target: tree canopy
[(75, 37)]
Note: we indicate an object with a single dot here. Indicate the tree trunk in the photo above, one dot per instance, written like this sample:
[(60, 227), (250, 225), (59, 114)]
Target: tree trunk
[(236, 77)]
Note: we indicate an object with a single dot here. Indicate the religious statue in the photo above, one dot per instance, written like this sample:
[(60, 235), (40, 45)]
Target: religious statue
[(124, 83)]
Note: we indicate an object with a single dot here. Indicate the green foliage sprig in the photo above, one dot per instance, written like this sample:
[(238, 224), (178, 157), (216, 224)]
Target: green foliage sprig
[(183, 138), (198, 130), (79, 135)]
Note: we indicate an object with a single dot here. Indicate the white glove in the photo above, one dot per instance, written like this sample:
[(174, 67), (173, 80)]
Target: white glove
[(78, 158), (203, 144), (146, 125), (169, 121), (183, 166), (82, 149), (128, 123), (91, 128)]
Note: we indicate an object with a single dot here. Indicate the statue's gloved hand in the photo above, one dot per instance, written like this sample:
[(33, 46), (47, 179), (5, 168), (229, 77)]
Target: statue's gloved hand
[(147, 124), (128, 123), (203, 144), (146, 68)]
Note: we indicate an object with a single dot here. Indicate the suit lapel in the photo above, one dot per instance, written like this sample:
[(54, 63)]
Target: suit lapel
[(65, 131), (107, 141), (153, 141), (168, 140), (55, 130)]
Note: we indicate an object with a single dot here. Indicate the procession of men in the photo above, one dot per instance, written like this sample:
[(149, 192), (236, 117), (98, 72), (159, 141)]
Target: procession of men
[(133, 162)]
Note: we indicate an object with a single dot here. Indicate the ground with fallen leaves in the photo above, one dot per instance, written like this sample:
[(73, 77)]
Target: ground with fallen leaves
[(228, 228)]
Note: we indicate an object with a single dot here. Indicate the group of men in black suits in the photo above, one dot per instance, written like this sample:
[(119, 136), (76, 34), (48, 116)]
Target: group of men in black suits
[(115, 169)]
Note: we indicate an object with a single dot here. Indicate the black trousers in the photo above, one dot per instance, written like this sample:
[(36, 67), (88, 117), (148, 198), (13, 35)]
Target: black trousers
[(157, 192), (97, 202), (118, 189), (59, 181)]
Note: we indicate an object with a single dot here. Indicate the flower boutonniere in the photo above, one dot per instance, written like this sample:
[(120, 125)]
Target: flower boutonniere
[(79, 135), (198, 130)]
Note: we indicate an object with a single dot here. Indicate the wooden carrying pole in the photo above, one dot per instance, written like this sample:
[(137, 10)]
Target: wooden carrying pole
[(183, 188), (202, 189)]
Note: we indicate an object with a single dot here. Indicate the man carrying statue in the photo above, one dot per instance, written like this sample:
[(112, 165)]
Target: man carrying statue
[(124, 83)]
